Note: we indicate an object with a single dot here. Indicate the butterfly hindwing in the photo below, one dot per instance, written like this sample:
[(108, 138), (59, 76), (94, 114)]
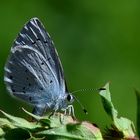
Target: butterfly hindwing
[(28, 74)]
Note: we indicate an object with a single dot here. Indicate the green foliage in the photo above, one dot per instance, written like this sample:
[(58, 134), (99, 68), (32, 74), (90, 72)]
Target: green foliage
[(63, 127), (123, 127), (56, 127)]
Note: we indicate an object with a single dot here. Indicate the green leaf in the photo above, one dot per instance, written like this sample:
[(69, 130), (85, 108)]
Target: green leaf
[(124, 125), (77, 131), (32, 115), (1, 132), (41, 119), (4, 123), (138, 111), (20, 122), (60, 127), (107, 104)]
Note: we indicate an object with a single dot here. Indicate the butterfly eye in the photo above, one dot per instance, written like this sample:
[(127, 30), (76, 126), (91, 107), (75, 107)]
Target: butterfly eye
[(70, 98)]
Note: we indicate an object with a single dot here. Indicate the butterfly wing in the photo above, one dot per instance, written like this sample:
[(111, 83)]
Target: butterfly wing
[(33, 71), (34, 34)]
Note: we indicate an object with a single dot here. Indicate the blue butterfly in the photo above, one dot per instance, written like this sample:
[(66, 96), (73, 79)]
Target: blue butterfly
[(34, 72)]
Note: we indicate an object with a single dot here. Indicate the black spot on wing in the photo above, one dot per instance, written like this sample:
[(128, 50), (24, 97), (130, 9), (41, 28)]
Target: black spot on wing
[(30, 98), (11, 77), (49, 59), (24, 91), (13, 90), (42, 63), (45, 42), (41, 88)]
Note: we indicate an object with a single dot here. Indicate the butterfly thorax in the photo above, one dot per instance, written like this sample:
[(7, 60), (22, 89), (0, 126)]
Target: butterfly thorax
[(57, 104)]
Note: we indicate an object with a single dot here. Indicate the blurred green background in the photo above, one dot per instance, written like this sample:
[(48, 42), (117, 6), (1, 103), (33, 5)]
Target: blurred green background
[(98, 41)]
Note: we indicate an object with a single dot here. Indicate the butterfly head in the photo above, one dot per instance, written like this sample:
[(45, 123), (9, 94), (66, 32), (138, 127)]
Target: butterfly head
[(63, 102), (67, 100), (70, 98)]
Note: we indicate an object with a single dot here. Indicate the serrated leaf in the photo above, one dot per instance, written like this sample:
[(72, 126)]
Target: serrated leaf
[(32, 115), (71, 131), (42, 119), (123, 125), (20, 122)]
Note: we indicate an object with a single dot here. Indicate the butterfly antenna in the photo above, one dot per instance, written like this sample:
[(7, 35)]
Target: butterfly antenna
[(91, 89), (83, 108), (82, 90)]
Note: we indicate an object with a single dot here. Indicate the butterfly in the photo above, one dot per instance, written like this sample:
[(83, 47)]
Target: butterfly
[(33, 71)]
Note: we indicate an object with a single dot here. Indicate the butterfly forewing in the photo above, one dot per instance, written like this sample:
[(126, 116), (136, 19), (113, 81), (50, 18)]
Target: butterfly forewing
[(34, 34), (33, 71)]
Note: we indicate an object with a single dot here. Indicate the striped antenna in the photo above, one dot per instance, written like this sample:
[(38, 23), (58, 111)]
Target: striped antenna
[(90, 89)]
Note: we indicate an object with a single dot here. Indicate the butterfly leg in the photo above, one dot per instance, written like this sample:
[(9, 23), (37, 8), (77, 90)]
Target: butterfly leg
[(53, 112), (62, 116), (65, 112), (71, 111)]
